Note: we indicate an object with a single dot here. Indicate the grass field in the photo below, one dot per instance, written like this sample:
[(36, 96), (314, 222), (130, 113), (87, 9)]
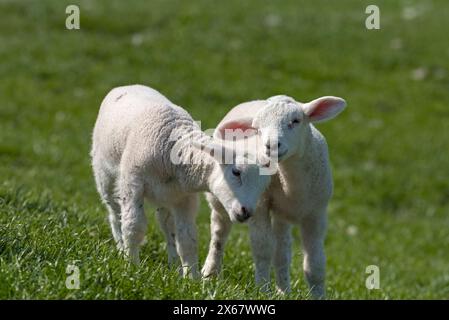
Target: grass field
[(389, 149)]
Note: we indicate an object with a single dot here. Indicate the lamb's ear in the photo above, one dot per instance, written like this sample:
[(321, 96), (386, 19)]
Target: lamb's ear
[(324, 108), (230, 129)]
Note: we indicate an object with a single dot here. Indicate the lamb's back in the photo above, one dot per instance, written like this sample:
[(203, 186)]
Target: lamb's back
[(136, 115)]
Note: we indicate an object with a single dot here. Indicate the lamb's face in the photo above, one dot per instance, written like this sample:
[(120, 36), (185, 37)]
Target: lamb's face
[(239, 186), (280, 126), (283, 123)]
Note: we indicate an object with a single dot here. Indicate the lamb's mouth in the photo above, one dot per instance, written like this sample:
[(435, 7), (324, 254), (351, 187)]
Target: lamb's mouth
[(241, 219)]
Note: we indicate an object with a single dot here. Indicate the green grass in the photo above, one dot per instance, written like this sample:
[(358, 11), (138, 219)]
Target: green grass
[(388, 149)]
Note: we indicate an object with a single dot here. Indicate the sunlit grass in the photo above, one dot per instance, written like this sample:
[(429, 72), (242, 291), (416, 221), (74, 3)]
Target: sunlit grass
[(388, 149)]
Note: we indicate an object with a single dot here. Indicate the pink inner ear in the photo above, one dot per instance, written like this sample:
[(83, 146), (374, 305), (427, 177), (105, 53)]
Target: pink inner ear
[(322, 109), (325, 108), (234, 125)]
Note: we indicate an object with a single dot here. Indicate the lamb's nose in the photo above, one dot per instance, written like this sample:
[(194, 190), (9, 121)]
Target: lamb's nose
[(246, 213)]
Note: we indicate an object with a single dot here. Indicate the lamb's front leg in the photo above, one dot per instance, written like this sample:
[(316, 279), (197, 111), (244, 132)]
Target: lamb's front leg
[(282, 254), (262, 246), (220, 226), (313, 232), (186, 236)]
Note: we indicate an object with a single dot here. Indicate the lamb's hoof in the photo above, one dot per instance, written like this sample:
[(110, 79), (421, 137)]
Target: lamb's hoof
[(208, 277), (209, 273), (282, 291), (131, 256), (317, 294)]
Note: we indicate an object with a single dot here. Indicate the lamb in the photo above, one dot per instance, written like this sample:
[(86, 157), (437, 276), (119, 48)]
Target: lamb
[(298, 194), (142, 148)]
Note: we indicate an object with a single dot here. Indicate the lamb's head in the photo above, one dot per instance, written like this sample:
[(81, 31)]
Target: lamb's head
[(238, 187), (282, 124), (236, 180)]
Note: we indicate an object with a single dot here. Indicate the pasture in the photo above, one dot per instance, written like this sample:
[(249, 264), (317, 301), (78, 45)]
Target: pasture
[(389, 148)]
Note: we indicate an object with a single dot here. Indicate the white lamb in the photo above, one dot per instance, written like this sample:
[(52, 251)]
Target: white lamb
[(137, 135), (298, 194)]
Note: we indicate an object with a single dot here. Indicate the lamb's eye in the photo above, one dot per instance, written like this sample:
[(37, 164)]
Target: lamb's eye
[(293, 123), (235, 172)]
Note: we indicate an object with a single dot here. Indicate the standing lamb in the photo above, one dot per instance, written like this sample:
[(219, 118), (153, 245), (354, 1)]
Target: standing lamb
[(142, 148), (298, 194)]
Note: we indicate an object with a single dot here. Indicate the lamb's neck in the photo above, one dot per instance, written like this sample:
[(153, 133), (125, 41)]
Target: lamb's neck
[(291, 167), (196, 166)]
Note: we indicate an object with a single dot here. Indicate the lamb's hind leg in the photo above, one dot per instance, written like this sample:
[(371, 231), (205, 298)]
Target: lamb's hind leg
[(167, 224), (105, 182), (186, 236), (134, 223)]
